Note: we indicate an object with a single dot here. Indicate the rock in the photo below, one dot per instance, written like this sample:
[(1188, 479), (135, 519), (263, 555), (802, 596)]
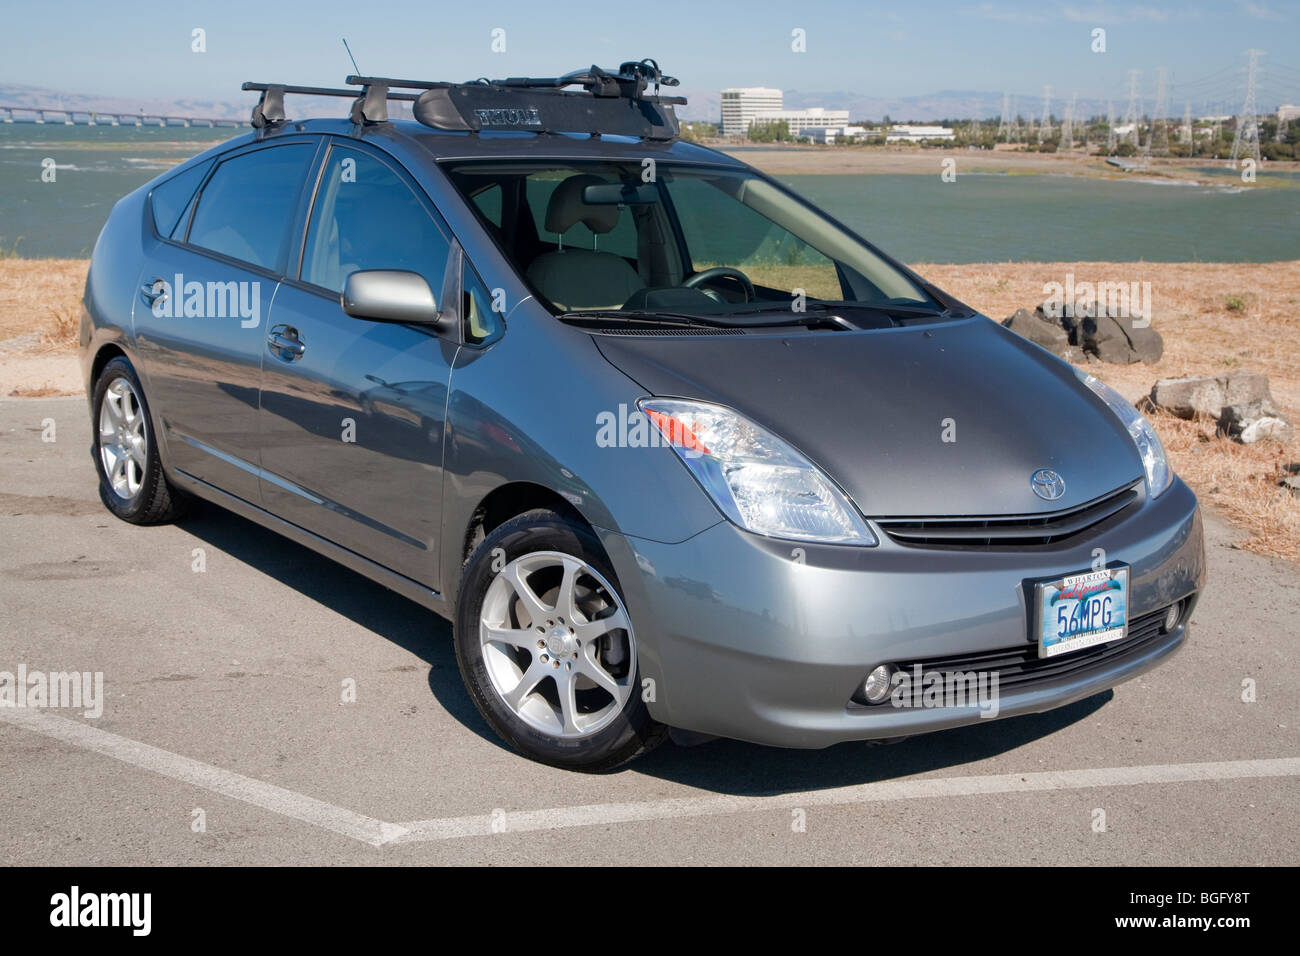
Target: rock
[(1040, 329), (1147, 343), (1241, 403), (1109, 336), (1248, 425), (1189, 397)]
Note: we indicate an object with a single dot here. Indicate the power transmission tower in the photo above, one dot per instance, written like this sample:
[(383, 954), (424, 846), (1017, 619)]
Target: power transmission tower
[(1110, 127), (1186, 134), (1004, 124), (1067, 127), (1045, 130), (1131, 114), (1247, 138), (1158, 129)]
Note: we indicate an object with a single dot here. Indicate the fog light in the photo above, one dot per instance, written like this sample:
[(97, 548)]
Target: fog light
[(876, 687), (1172, 615)]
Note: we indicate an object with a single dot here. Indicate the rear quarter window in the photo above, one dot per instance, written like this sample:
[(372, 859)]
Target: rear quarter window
[(169, 200)]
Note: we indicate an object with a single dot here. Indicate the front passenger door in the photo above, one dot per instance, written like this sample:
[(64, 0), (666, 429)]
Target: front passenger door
[(352, 411)]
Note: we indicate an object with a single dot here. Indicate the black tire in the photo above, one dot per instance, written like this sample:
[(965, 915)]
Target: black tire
[(156, 500), (632, 732)]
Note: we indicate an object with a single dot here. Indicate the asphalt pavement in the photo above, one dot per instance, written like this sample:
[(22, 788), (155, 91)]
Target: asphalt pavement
[(262, 705)]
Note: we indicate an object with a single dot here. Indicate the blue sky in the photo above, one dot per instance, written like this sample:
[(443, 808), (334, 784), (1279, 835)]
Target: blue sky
[(880, 49)]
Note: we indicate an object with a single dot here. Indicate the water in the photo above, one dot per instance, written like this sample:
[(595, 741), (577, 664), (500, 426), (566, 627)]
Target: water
[(916, 218), (94, 167), (999, 218)]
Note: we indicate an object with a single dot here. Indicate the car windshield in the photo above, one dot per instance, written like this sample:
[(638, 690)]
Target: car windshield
[(644, 238)]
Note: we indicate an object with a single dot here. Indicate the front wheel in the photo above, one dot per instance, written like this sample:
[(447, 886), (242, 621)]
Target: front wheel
[(546, 647)]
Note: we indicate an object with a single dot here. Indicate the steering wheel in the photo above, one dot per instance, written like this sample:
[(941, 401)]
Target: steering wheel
[(718, 272)]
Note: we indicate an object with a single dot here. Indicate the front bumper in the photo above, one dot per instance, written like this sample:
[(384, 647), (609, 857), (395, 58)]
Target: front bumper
[(768, 641)]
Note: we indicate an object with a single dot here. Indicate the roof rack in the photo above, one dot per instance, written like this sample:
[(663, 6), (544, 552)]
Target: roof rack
[(610, 102), (370, 104)]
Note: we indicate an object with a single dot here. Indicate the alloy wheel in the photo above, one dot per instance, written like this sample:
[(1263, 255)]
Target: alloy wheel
[(123, 438), (557, 644)]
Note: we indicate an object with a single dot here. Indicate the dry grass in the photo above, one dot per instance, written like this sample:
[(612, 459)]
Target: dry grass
[(42, 296), (1195, 308), (1240, 481)]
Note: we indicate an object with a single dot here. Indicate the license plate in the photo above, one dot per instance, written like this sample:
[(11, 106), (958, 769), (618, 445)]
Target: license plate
[(1082, 610)]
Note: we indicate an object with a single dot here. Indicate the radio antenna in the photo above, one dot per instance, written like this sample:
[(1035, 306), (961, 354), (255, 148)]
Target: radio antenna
[(350, 56)]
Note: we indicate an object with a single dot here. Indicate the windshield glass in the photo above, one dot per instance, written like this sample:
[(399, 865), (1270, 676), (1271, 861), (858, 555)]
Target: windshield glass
[(690, 240)]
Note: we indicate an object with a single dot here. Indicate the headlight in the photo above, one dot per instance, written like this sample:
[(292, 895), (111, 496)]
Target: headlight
[(756, 479), (1159, 474)]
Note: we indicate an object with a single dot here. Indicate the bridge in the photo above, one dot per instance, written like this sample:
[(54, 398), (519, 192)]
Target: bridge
[(67, 117)]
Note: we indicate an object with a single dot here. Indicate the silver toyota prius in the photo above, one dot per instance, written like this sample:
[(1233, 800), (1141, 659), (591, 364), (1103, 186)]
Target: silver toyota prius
[(669, 446)]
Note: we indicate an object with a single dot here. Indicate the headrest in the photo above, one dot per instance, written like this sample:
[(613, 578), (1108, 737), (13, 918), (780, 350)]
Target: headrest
[(566, 207)]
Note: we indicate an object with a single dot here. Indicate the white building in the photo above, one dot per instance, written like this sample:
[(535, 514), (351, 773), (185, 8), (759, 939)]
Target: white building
[(799, 121), (831, 134), (741, 104), (1288, 113), (914, 134)]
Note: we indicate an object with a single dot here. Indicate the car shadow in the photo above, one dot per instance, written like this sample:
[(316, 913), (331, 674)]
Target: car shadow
[(721, 766), (741, 769)]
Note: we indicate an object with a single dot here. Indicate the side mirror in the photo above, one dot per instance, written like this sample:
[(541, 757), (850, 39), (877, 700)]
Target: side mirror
[(391, 295)]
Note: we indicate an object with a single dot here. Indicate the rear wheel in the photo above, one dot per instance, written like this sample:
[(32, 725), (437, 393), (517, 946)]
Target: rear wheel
[(546, 647), (131, 480)]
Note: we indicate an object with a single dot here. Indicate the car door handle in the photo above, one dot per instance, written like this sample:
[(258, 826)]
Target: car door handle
[(154, 290), (285, 343)]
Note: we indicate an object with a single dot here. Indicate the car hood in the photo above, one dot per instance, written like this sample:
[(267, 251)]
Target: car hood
[(871, 408)]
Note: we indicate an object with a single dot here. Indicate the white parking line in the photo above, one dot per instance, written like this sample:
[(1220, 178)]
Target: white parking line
[(236, 786), (378, 833), (560, 818)]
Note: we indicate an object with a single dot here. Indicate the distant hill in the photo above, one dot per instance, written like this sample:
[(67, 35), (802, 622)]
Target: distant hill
[(304, 107)]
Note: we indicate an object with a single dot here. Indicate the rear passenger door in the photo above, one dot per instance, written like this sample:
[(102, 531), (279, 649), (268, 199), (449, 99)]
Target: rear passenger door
[(211, 271), (352, 411)]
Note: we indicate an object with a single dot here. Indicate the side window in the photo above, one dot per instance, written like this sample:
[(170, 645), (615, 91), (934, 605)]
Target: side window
[(366, 217), (169, 200), (719, 231), (483, 321), (247, 206)]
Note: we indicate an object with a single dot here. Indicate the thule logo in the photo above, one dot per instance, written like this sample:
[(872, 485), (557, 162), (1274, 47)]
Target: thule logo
[(509, 117)]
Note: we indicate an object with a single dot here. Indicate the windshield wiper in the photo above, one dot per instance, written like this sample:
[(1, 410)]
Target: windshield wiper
[(636, 315), (882, 308)]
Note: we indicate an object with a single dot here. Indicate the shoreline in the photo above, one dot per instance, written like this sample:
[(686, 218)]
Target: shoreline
[(913, 160)]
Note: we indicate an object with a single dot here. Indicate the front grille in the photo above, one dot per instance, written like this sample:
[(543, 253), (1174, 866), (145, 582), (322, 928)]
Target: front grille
[(1011, 530), (1020, 666)]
